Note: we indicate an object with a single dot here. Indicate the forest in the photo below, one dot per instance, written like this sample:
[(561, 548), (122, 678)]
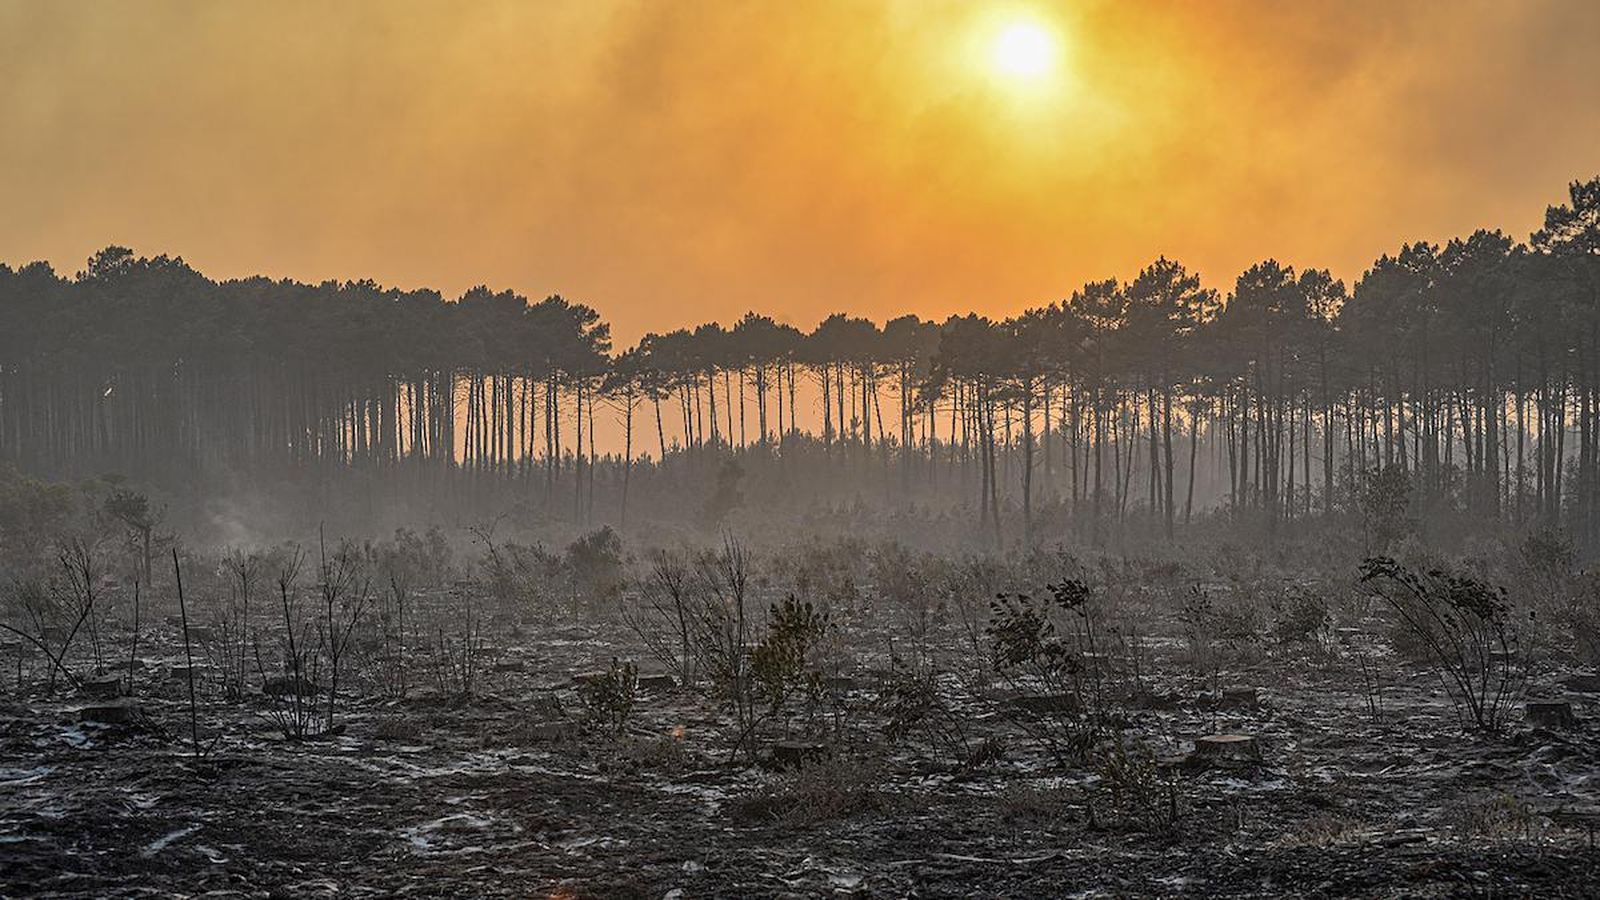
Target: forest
[(1472, 367), (338, 590)]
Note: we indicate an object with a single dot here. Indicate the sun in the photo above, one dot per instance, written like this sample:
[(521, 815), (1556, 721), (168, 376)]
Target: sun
[(1023, 50)]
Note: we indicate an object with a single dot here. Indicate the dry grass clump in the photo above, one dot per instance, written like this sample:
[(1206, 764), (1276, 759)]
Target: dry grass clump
[(1033, 806), (822, 791), (397, 728), (1324, 829), (1497, 819), (661, 753)]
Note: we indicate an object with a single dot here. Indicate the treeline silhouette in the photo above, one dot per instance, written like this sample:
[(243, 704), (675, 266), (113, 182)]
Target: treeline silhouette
[(1471, 370)]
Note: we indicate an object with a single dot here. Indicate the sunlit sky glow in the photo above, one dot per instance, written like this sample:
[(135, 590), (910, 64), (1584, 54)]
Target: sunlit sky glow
[(676, 162)]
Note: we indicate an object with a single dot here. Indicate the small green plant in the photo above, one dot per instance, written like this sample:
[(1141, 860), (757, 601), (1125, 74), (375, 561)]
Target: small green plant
[(1383, 495), (1132, 789), (1048, 647), (1548, 552), (783, 663), (608, 696), (595, 566), (1200, 625), (1300, 617)]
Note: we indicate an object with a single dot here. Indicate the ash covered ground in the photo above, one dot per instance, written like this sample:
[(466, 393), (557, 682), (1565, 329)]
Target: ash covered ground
[(877, 723)]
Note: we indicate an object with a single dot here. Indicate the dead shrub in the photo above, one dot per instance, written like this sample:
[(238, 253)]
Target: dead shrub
[(912, 703), (1463, 628)]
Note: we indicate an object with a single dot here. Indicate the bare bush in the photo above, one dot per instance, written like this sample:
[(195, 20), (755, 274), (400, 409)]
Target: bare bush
[(291, 689), (1464, 626), (243, 571), (391, 662), (723, 630), (79, 585), (904, 583), (525, 577), (662, 614), (345, 587), (913, 704), (458, 654), (56, 610)]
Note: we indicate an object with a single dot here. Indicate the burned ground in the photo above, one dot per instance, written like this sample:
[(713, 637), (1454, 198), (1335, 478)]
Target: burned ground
[(1359, 777)]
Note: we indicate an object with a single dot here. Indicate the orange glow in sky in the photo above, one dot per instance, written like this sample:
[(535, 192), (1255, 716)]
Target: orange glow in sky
[(675, 162)]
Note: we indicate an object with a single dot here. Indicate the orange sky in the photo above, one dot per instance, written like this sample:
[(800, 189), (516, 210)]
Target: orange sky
[(677, 160)]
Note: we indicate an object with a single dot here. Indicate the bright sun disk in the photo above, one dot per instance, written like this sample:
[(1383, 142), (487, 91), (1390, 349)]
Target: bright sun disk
[(1024, 49)]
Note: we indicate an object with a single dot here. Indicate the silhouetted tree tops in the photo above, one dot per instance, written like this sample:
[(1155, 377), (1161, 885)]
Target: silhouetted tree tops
[(1474, 366)]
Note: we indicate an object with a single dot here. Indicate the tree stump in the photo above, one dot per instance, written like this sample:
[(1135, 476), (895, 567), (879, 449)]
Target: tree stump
[(181, 673), (657, 681), (288, 685), (1552, 714), (1229, 698), (1240, 698), (1149, 698), (559, 731), (1227, 748), (1583, 683), (102, 687), (115, 712), (794, 754), (1047, 705)]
